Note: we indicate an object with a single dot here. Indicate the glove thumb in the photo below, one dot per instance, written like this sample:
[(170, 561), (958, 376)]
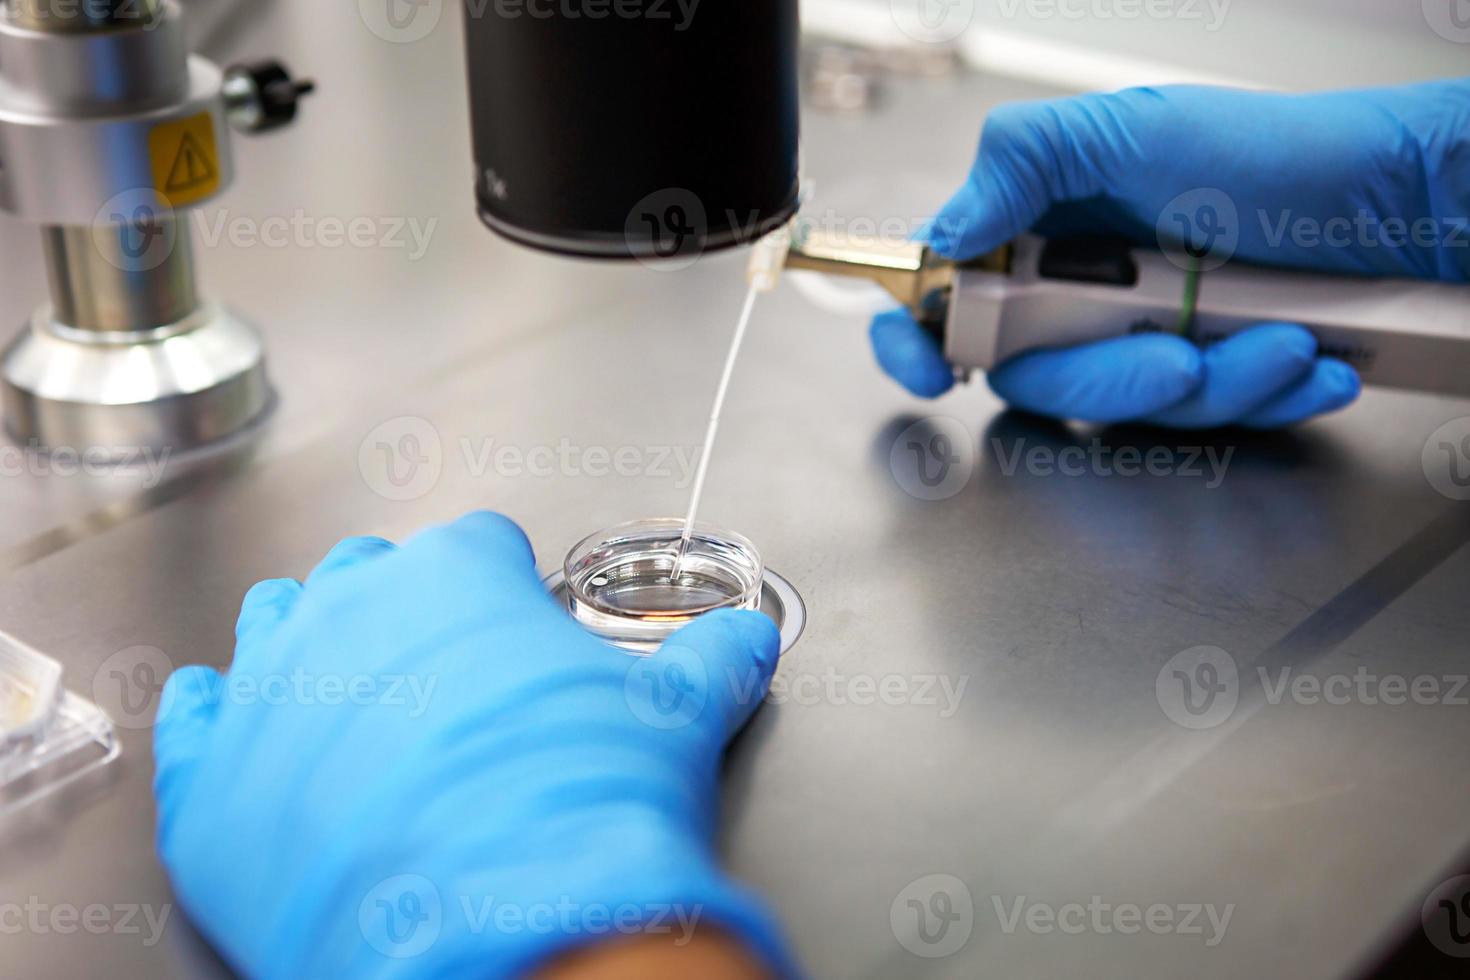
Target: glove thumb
[(713, 672), (909, 355)]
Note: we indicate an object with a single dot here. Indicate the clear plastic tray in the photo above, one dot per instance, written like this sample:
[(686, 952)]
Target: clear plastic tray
[(49, 737)]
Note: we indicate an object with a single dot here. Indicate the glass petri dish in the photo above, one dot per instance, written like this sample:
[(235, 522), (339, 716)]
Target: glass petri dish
[(620, 586)]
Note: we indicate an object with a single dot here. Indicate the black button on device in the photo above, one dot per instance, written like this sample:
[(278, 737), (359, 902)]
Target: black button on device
[(1108, 261)]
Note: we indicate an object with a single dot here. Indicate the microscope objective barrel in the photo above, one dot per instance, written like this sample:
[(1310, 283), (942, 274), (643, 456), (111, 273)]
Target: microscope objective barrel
[(635, 136), (128, 276)]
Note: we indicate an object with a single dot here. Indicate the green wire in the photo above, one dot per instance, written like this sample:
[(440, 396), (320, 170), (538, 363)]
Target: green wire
[(1185, 327)]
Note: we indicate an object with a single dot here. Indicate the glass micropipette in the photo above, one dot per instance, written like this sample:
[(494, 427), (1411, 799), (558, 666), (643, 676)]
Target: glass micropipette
[(714, 428), (766, 261)]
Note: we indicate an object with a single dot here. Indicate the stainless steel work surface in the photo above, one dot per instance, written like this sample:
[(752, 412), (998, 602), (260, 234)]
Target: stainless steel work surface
[(986, 689)]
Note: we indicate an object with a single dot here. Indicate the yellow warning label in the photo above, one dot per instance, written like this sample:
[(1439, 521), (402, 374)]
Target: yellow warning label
[(185, 159)]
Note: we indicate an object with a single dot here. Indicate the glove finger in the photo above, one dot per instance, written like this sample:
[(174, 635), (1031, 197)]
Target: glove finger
[(482, 534), (1032, 156), (262, 611), (483, 559), (454, 580), (186, 711), (908, 354), (715, 671), (979, 217), (349, 553), (1331, 385), (1109, 381), (1242, 373)]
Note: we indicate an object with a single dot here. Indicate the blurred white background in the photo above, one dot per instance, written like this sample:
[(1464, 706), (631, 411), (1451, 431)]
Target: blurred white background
[(1287, 44)]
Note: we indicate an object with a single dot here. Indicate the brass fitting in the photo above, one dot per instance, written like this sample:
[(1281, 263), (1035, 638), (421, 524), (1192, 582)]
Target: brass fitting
[(910, 272)]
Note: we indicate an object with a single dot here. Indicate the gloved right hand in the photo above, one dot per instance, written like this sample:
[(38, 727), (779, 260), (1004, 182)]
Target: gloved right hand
[(1348, 162)]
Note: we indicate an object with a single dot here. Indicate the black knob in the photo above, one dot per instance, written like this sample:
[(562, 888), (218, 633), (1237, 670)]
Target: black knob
[(262, 95)]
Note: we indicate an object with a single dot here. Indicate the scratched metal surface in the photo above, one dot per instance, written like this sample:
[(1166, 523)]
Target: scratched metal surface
[(1020, 624)]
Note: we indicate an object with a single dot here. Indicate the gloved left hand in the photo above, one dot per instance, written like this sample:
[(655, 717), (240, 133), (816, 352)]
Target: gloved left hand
[(420, 765)]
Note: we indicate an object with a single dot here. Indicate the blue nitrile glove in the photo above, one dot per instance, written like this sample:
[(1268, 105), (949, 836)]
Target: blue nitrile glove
[(420, 765), (1395, 163)]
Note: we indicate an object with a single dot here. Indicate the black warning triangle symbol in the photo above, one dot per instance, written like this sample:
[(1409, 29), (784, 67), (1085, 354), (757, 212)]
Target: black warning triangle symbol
[(191, 167)]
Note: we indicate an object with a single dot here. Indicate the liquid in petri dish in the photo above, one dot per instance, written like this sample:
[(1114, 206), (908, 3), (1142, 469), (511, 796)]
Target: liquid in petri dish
[(623, 586)]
